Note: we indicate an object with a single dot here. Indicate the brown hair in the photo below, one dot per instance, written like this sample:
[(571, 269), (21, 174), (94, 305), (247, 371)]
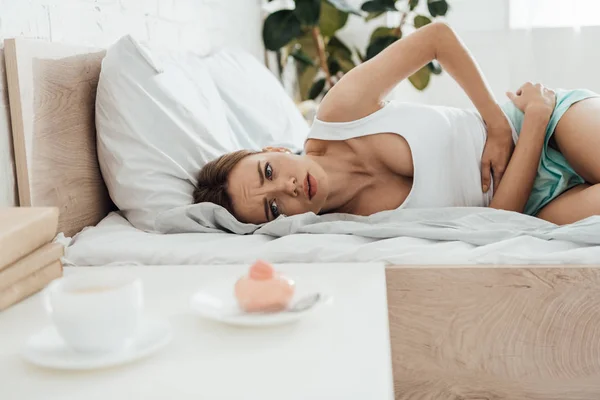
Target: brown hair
[(213, 179)]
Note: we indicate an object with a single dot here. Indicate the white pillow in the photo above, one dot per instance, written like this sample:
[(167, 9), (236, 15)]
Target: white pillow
[(160, 117), (258, 109)]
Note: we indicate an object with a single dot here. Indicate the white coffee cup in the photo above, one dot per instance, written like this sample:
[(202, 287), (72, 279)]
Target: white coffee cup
[(95, 312)]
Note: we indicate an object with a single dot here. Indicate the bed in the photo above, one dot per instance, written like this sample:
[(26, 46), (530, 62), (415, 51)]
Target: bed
[(462, 330)]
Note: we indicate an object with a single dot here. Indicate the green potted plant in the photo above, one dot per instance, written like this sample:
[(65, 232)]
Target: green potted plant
[(308, 34)]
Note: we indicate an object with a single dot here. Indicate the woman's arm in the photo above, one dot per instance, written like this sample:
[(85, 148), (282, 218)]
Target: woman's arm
[(537, 103), (361, 91)]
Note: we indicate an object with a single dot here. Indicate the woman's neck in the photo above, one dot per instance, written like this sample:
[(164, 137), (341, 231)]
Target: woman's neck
[(346, 178)]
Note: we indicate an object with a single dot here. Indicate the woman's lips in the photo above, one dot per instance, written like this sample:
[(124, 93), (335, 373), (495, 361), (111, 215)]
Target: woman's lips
[(312, 186), (306, 187)]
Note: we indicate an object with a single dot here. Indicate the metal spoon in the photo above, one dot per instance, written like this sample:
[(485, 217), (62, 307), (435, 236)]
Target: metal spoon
[(305, 303)]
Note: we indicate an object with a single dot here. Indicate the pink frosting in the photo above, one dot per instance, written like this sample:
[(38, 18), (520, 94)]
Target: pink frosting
[(262, 290), (261, 271)]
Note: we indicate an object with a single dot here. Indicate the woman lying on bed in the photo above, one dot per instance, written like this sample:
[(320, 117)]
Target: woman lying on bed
[(364, 155)]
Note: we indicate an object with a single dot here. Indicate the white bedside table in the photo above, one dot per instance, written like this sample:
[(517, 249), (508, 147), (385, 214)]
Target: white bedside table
[(342, 352)]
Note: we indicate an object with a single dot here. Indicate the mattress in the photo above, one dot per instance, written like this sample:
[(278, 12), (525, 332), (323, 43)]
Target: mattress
[(114, 241)]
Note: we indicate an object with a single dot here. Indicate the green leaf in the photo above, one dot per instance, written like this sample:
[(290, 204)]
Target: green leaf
[(302, 57), (333, 65), (341, 53), (343, 5), (420, 79), (435, 67), (413, 4), (346, 64), (306, 78), (308, 11), (280, 28), (377, 6), (437, 8), (389, 3), (337, 47), (316, 89), (332, 19), (379, 44), (374, 15), (383, 31), (421, 20), (307, 44)]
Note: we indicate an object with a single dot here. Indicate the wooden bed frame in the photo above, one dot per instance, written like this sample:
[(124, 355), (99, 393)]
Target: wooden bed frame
[(52, 92), (471, 332)]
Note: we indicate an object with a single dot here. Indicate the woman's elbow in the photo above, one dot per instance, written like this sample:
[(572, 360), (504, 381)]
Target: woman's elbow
[(442, 28), (443, 34)]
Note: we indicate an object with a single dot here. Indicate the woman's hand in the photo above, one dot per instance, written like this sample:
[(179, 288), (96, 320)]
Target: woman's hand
[(498, 149), (537, 102), (534, 98)]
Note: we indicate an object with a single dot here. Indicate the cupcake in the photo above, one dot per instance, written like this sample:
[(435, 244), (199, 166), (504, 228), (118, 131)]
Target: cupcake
[(262, 290)]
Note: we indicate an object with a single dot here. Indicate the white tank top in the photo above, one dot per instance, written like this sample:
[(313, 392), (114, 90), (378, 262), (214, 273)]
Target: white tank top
[(446, 145)]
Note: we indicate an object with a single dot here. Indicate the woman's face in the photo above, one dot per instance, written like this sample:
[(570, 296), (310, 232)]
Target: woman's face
[(265, 185)]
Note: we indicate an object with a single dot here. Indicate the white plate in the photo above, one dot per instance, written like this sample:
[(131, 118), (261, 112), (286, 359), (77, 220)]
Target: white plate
[(47, 349), (216, 301)]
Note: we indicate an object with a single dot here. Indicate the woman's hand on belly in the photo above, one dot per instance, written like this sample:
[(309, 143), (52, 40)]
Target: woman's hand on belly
[(498, 149), (520, 175)]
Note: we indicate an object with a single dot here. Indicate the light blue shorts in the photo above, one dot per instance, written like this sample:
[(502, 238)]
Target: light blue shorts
[(554, 175)]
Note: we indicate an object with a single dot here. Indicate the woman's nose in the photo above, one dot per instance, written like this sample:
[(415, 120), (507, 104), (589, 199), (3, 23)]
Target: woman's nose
[(291, 187)]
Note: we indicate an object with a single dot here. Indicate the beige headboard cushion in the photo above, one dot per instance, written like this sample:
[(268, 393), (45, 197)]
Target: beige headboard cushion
[(52, 90)]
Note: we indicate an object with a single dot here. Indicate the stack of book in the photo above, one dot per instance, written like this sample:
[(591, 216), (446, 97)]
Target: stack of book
[(28, 258)]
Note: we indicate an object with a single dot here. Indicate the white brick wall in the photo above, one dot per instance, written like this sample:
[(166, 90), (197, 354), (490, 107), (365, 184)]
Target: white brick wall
[(201, 25), (197, 24)]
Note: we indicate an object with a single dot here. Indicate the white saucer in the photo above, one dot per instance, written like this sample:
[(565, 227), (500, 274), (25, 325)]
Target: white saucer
[(47, 349), (216, 301)]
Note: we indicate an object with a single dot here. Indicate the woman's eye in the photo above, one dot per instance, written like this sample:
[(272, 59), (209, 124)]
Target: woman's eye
[(274, 209), (268, 171)]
